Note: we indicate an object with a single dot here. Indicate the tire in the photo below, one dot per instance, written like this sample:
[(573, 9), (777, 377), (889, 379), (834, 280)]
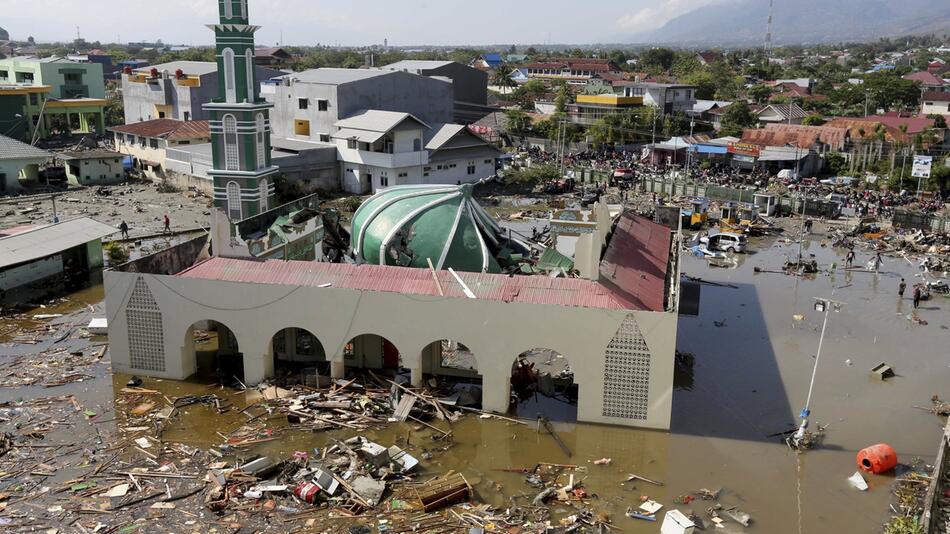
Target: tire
[(731, 250)]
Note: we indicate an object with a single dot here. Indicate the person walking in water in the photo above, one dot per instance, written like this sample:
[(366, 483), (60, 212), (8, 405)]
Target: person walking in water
[(849, 259), (916, 297), (124, 228), (167, 229), (901, 288)]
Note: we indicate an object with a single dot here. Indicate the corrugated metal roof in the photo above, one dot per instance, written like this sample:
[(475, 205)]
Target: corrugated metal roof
[(364, 136), (635, 265), (375, 120), (48, 240), (13, 149), (574, 292), (166, 128)]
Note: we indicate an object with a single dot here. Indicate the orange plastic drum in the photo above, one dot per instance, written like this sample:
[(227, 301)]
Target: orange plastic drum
[(877, 459)]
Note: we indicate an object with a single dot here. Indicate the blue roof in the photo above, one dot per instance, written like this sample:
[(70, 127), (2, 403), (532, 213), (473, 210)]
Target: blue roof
[(492, 59)]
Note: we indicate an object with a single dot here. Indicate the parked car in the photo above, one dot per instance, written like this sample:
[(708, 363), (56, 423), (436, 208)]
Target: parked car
[(725, 241)]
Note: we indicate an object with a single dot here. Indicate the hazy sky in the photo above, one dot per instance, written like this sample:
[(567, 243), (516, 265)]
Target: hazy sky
[(403, 22)]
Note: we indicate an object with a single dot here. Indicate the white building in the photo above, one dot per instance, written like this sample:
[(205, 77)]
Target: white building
[(668, 97), (379, 149)]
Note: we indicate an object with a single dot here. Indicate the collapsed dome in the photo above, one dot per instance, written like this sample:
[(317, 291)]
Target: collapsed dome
[(406, 225)]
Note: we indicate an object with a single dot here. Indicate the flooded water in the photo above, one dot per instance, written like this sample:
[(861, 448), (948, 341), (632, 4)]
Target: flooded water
[(750, 376)]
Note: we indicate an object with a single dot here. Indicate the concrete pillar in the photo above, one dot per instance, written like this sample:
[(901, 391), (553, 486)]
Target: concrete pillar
[(258, 361), (496, 390), (415, 371), (337, 369)]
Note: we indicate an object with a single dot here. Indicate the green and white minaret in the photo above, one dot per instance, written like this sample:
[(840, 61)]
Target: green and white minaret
[(240, 120)]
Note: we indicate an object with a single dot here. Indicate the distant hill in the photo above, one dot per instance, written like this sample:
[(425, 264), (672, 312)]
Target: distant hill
[(743, 22)]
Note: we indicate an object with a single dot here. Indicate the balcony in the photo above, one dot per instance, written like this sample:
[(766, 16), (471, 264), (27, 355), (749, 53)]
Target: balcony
[(383, 159)]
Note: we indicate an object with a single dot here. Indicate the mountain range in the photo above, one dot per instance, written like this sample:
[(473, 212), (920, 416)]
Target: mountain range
[(744, 22)]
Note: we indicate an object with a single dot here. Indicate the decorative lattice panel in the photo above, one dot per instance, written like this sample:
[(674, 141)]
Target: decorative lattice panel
[(144, 323), (627, 373)]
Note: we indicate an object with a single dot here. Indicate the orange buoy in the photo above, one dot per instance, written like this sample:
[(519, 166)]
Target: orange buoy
[(877, 459)]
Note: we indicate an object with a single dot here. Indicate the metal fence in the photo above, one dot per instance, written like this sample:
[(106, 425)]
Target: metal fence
[(915, 220)]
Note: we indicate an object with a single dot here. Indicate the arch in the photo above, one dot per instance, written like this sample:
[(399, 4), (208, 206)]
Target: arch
[(455, 366), (235, 212), (296, 349), (227, 56), (232, 160), (260, 137), (249, 68), (264, 194), (542, 383), (371, 351), (215, 350), (228, 9), (243, 11)]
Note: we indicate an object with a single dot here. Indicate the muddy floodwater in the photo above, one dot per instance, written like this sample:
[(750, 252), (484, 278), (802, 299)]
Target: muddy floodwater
[(749, 378)]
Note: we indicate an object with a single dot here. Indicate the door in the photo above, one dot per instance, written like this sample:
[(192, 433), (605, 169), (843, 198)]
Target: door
[(390, 355)]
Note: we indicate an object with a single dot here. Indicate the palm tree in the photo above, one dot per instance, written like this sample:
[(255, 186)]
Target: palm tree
[(502, 77)]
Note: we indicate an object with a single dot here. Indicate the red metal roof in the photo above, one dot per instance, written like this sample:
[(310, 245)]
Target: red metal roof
[(524, 289), (635, 266), (171, 129)]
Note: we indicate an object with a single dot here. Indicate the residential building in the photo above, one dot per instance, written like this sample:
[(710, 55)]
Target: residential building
[(709, 111), (928, 81), (380, 149), (708, 58), (588, 109), (780, 114), (20, 106), (19, 162), (487, 61), (935, 102), (67, 97), (819, 138), (92, 167), (96, 56), (575, 71), (308, 104), (175, 90), (667, 97), (239, 118), (148, 142), (272, 57), (68, 252)]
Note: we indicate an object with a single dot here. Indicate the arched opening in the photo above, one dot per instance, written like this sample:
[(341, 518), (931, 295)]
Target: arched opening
[(542, 384), (228, 9), (263, 192), (227, 56), (234, 201), (231, 159), (261, 144), (454, 367), (299, 357), (249, 71), (216, 350), (373, 352)]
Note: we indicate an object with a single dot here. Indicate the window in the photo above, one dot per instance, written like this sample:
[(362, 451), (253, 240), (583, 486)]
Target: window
[(417, 145), (234, 201), (324, 138), (302, 127), (323, 105), (244, 9), (249, 66), (142, 141), (231, 161), (427, 169), (72, 77), (352, 144), (153, 143), (34, 99), (4, 74), (383, 180), (303, 103), (187, 116), (471, 169), (264, 193), (261, 144), (403, 174), (228, 59), (487, 162), (228, 9), (130, 139), (161, 114), (452, 166)]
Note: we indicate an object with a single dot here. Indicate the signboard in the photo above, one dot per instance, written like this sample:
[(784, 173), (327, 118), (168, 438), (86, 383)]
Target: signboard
[(922, 165), (744, 149)]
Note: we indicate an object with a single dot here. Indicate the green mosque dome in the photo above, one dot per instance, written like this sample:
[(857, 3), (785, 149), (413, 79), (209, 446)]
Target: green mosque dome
[(406, 225)]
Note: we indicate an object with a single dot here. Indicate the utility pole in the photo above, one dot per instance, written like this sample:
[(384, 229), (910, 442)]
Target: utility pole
[(768, 33), (801, 240), (821, 305)]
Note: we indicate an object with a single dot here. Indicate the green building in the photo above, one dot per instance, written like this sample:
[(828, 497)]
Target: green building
[(51, 95), (240, 120)]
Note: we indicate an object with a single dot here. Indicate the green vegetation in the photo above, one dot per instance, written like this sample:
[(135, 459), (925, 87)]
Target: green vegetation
[(532, 175), (737, 117), (116, 253)]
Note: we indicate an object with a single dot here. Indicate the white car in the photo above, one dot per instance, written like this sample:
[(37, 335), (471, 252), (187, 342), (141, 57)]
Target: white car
[(725, 241)]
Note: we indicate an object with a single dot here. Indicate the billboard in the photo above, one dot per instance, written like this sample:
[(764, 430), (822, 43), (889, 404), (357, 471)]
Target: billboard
[(744, 149), (922, 165)]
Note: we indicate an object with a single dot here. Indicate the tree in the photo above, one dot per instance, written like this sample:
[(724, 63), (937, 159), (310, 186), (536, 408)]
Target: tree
[(528, 93), (114, 113), (563, 97), (736, 118), (518, 122), (813, 120), (939, 121), (502, 77), (760, 93), (657, 59), (704, 82)]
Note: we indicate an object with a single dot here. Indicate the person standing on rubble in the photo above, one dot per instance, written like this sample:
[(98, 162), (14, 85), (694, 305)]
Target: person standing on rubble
[(168, 223), (901, 288), (124, 228)]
